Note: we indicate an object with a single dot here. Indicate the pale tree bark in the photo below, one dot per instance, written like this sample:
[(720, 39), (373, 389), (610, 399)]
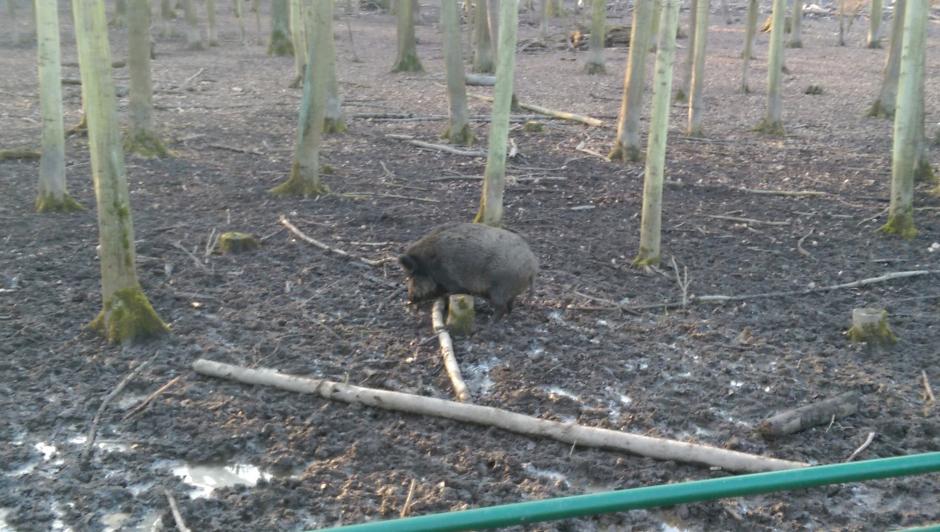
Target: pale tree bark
[(651, 215), (126, 313), (240, 15), (682, 93), (333, 120), (304, 177), (299, 39), (482, 41), (595, 63), (874, 26), (492, 19), (167, 15), (657, 18), (698, 70), (279, 42), (458, 129), (903, 158), (726, 12), (773, 122), (193, 37), (212, 35), (141, 137), (796, 26), (407, 59), (547, 11), (53, 194), (256, 7), (888, 95), (627, 144), (494, 177), (750, 30), (923, 171)]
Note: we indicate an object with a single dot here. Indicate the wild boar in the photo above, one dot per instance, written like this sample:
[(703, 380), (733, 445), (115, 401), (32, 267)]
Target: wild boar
[(466, 258)]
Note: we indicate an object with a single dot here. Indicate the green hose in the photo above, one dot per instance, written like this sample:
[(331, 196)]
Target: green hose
[(662, 495)]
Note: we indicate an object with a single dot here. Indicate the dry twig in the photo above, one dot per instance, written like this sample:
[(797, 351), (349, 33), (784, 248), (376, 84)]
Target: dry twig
[(394, 196), (745, 220), (405, 508), (862, 447), (799, 245), (438, 147), (174, 509), (196, 260), (447, 351), (550, 112), (149, 399), (300, 234), (928, 391), (93, 430)]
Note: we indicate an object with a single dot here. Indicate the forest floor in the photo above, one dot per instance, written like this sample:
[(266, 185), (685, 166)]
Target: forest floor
[(238, 457)]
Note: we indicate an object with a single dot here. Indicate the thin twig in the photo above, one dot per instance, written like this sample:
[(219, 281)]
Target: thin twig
[(799, 245), (300, 234), (745, 220), (190, 79), (868, 440), (682, 281), (149, 399), (93, 430), (235, 149), (174, 509), (407, 506), (395, 196), (196, 260), (870, 218), (438, 147), (928, 391)]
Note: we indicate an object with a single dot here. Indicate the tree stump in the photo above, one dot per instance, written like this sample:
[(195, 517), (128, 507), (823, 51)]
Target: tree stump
[(460, 315), (235, 242), (870, 325)]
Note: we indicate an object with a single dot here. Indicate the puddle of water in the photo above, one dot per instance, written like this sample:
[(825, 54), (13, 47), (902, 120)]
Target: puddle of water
[(206, 478)]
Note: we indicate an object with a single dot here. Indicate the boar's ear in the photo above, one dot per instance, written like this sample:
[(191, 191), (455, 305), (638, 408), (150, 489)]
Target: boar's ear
[(408, 263)]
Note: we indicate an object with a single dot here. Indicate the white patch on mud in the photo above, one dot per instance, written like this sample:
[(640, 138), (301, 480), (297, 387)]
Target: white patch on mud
[(547, 474), (206, 478), (554, 390), (478, 378)]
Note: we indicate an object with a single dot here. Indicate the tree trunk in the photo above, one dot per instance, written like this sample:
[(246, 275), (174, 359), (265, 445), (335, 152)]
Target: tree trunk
[(126, 314), (240, 15), (887, 98), (167, 14), (494, 177), (14, 27), (923, 171), (256, 7), (750, 30), (726, 12), (482, 41), (874, 28), (595, 63), (53, 194), (458, 129), (627, 145), (492, 20), (657, 18), (651, 217), (773, 122), (407, 60), (299, 40), (547, 12), (280, 43), (141, 138), (841, 40), (698, 70), (682, 94), (903, 157), (193, 38), (333, 120), (304, 177), (213, 36), (796, 31)]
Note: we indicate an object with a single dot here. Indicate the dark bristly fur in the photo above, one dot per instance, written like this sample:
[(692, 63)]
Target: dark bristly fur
[(475, 259)]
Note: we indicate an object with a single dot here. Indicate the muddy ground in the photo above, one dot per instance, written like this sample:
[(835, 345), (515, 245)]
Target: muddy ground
[(707, 373)]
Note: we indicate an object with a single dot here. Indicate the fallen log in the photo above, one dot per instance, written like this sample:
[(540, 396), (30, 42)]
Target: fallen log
[(447, 352), (572, 433), (804, 417), (549, 112)]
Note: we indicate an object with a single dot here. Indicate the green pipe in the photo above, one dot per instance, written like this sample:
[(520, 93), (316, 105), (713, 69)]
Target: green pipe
[(661, 495)]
